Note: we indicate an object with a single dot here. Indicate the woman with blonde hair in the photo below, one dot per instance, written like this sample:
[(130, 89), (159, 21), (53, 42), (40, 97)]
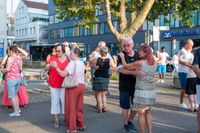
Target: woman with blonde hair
[(101, 80)]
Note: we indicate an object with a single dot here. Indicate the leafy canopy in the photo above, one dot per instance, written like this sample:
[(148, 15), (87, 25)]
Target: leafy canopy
[(130, 13)]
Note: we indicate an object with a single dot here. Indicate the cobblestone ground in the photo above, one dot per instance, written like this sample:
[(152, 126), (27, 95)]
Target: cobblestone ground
[(167, 117)]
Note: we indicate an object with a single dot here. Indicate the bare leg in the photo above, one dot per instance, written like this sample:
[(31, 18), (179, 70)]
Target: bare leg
[(160, 75), (56, 121), (104, 99), (191, 101), (182, 94), (125, 116), (15, 104), (95, 95), (99, 101), (132, 115), (141, 118), (148, 118)]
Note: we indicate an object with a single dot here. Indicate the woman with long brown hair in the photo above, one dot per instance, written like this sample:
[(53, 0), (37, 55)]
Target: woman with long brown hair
[(13, 77), (145, 93)]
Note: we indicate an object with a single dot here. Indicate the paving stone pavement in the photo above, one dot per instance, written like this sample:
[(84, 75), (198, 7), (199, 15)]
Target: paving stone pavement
[(167, 117)]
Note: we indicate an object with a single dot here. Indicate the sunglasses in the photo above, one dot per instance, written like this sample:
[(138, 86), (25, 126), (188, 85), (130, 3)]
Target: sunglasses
[(126, 45), (58, 51)]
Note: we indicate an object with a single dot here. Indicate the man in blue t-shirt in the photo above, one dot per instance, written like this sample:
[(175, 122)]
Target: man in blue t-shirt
[(196, 69)]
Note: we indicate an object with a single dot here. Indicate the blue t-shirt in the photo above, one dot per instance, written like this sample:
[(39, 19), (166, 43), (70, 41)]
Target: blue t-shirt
[(196, 61)]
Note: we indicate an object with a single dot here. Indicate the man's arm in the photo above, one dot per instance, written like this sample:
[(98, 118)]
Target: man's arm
[(196, 70)]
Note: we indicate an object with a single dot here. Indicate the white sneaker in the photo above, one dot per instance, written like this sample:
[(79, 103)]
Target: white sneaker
[(158, 81), (183, 106), (14, 114), (162, 81)]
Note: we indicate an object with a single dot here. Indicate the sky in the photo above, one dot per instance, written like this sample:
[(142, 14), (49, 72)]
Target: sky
[(16, 2)]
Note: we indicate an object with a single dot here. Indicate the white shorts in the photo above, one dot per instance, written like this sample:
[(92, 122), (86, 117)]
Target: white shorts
[(198, 94), (57, 97)]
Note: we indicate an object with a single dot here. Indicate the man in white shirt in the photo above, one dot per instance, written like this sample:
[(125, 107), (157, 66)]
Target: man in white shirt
[(162, 67), (184, 57)]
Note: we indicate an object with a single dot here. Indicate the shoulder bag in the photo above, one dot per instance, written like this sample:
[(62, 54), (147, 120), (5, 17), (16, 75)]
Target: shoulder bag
[(23, 79), (71, 81)]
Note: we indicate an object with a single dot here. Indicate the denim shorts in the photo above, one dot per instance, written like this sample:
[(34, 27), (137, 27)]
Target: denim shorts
[(183, 79), (13, 87), (162, 69), (126, 100)]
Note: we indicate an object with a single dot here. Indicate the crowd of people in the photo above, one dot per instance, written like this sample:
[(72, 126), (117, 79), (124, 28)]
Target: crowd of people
[(137, 85)]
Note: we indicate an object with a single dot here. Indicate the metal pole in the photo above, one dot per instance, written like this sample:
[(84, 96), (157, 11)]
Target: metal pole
[(147, 32)]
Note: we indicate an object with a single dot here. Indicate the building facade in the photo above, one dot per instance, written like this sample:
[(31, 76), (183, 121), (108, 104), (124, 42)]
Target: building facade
[(31, 23), (63, 30), (174, 38)]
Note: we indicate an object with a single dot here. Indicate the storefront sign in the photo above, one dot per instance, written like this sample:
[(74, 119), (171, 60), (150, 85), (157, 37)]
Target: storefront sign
[(190, 32), (1, 48)]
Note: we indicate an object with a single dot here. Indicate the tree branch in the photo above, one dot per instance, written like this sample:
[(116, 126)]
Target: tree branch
[(122, 19), (140, 18), (109, 21)]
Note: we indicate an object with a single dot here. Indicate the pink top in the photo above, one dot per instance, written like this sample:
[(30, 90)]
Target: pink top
[(14, 72)]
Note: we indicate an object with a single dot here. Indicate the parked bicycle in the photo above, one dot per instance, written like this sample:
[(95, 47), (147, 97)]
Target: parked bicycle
[(44, 75)]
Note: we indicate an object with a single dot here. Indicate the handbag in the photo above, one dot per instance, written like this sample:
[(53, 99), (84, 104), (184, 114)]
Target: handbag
[(71, 81), (23, 79)]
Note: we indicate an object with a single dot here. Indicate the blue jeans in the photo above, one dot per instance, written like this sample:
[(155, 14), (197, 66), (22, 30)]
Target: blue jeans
[(13, 87)]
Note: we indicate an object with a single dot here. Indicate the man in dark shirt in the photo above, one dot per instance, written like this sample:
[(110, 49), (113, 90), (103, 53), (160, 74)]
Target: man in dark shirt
[(127, 82), (196, 69)]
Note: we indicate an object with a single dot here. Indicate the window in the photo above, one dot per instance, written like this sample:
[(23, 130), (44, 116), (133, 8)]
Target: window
[(162, 20), (193, 19), (107, 30), (70, 32), (77, 33), (54, 34), (177, 23), (102, 31), (172, 21), (25, 31), (144, 25), (33, 30), (81, 31), (51, 19), (61, 33), (66, 32), (198, 17)]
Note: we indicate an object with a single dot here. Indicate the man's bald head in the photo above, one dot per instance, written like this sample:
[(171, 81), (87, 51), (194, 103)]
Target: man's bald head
[(101, 44)]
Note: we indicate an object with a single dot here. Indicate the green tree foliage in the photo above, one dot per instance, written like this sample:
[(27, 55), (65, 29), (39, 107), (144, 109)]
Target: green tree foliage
[(130, 13)]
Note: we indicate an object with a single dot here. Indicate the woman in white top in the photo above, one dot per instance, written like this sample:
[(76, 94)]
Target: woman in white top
[(74, 113)]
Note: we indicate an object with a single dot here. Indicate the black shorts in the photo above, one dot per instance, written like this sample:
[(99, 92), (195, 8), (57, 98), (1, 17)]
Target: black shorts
[(190, 86)]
